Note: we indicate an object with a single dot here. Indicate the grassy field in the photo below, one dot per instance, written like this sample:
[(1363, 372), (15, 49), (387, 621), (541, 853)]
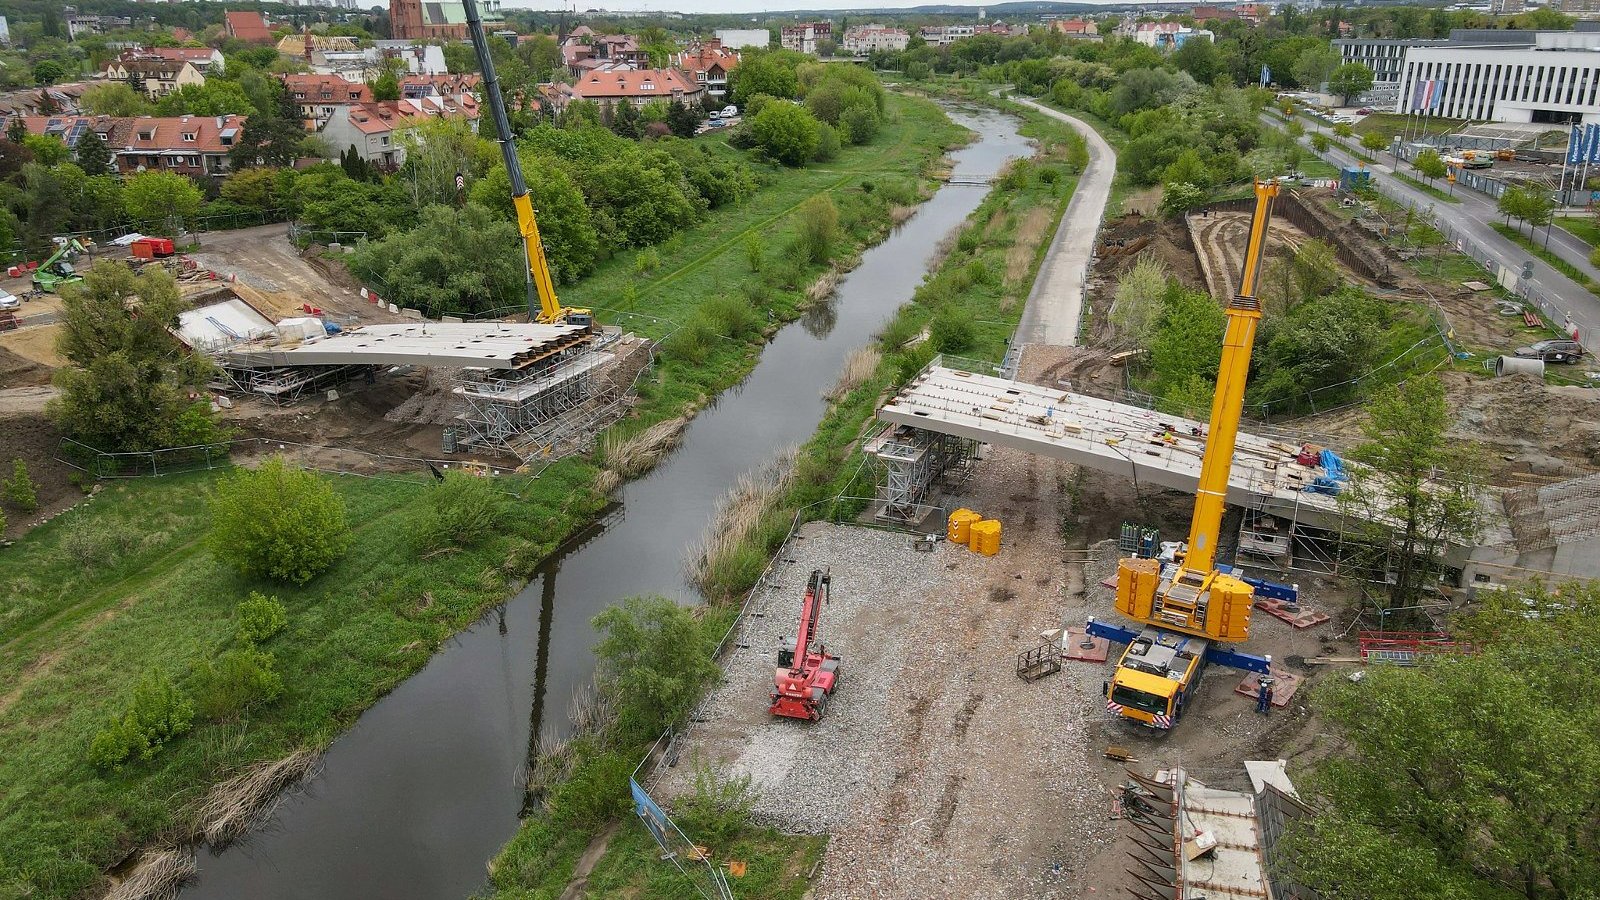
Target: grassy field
[(984, 281), (1426, 188), (1388, 124), (1585, 229), (776, 866), (123, 585)]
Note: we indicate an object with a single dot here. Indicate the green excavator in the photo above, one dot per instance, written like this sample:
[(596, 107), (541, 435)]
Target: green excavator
[(57, 270)]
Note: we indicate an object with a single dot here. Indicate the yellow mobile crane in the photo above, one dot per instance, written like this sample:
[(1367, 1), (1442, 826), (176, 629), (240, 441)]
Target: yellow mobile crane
[(1190, 605), (541, 287)]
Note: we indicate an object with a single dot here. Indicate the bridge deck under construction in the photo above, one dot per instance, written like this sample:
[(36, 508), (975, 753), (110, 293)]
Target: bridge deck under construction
[(475, 345), (1152, 448)]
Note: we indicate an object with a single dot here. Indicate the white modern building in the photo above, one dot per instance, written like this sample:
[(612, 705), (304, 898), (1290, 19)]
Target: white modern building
[(740, 38), (861, 40), (1554, 80), (1385, 57)]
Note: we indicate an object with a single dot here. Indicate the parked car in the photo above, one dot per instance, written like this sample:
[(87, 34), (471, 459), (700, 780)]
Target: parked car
[(9, 301), (1364, 111), (729, 112), (1553, 351)]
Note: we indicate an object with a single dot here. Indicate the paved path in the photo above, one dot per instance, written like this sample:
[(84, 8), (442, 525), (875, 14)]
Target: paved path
[(1056, 302), (1466, 217)]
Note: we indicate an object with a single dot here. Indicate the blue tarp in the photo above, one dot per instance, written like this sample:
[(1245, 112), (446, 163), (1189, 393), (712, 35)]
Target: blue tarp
[(1333, 465)]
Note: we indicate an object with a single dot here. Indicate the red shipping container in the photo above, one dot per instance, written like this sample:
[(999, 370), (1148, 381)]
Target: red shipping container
[(161, 246), (142, 250)]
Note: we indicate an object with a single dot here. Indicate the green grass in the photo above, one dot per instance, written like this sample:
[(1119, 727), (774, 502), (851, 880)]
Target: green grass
[(82, 620), (1550, 259), (1585, 229), (1396, 123), (1426, 188), (776, 865), (124, 584)]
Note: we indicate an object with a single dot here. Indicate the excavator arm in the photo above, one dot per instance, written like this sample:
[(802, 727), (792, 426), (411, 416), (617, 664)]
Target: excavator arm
[(541, 286), (1198, 599)]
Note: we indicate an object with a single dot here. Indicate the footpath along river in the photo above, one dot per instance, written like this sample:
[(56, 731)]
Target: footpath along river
[(425, 788)]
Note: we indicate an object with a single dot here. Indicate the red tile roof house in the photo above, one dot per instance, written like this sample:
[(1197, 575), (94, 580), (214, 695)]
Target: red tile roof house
[(709, 64), (205, 59), (70, 128), (248, 27), (196, 146), (608, 87), (154, 76), (373, 128), (318, 96)]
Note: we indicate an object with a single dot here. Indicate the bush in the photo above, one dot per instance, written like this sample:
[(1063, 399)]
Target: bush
[(459, 511), (718, 809), (236, 681), (731, 316), (952, 332), (861, 123), (786, 133), (1594, 257), (755, 251), (278, 522), (159, 713), (819, 228), (95, 544), (646, 262), (654, 660), (827, 143), (19, 491), (259, 617), (692, 341)]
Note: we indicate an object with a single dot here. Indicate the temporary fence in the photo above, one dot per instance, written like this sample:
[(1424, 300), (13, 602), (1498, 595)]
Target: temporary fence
[(676, 847), (1408, 648)]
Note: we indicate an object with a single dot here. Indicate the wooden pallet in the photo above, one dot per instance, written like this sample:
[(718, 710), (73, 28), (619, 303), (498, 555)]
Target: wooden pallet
[(1304, 617), (1284, 684)]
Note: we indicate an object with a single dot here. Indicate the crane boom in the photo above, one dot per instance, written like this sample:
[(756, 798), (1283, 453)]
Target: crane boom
[(540, 286)]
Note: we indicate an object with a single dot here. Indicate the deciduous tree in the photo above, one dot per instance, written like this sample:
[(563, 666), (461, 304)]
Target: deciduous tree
[(279, 522)]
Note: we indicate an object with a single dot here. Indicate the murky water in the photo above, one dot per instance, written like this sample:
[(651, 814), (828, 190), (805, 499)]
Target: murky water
[(424, 789)]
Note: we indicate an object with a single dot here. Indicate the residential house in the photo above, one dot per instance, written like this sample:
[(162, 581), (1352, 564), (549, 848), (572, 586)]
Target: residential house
[(1205, 14), (860, 40), (57, 99), (206, 60), (306, 42), (1078, 28), (708, 63), (155, 76), (70, 128), (608, 87), (1165, 35), (246, 26), (1254, 13), (443, 84), (804, 37), (1001, 28), (741, 38), (81, 24), (374, 128), (584, 51), (196, 146), (942, 35), (319, 95), (441, 20)]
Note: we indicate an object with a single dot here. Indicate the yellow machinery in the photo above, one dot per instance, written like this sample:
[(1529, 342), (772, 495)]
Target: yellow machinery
[(1193, 604), (541, 287)]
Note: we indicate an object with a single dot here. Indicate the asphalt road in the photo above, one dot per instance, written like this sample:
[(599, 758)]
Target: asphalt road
[(1056, 302), (1472, 217)]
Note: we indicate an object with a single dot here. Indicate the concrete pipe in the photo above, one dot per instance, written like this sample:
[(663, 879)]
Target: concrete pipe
[(1516, 365)]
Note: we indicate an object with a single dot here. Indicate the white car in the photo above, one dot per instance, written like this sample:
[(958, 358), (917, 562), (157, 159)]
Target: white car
[(729, 112), (9, 301)]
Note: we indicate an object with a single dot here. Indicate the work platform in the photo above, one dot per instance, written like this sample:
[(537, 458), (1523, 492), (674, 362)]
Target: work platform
[(1149, 447), (463, 345)]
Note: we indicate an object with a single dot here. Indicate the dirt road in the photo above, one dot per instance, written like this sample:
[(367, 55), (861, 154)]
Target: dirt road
[(1056, 302), (265, 261)]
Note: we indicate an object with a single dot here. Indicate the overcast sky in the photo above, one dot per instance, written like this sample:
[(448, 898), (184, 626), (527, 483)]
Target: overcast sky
[(729, 6)]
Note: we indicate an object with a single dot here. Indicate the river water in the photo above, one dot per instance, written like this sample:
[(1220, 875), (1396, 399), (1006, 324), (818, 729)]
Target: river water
[(417, 797)]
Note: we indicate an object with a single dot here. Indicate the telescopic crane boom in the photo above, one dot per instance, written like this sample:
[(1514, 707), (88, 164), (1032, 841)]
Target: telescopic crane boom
[(1187, 609), (540, 286)]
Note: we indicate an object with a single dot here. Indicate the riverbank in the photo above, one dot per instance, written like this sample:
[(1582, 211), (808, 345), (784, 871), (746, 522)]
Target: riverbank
[(122, 585), (969, 305)]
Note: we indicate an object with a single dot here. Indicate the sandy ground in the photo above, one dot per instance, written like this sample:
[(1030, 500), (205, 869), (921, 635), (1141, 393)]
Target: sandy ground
[(278, 278)]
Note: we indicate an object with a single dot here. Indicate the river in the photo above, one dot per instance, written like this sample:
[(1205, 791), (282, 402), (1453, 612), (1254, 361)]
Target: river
[(425, 788)]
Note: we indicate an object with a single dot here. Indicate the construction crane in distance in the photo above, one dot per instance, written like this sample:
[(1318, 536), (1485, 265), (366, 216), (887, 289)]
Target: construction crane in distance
[(1190, 605), (807, 672), (541, 286)]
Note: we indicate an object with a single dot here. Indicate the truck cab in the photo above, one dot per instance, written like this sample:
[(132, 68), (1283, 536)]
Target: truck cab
[(1156, 676)]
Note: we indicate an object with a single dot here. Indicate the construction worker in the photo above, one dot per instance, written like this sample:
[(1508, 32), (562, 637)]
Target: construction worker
[(1264, 695)]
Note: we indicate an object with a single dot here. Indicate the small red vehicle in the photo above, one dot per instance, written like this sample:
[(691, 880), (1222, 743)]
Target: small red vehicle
[(807, 673)]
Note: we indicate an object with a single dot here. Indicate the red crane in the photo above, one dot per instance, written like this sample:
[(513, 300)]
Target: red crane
[(807, 672)]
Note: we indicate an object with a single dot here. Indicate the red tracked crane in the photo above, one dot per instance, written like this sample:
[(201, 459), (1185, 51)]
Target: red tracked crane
[(807, 672)]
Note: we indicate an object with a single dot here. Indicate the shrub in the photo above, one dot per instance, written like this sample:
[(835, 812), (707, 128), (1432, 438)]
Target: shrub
[(786, 133), (259, 617), (755, 251), (861, 122), (827, 143), (819, 228), (654, 661), (459, 511), (646, 262), (731, 316), (953, 332), (968, 240), (236, 681), (692, 341), (158, 713), (1594, 257), (278, 522), (719, 807), (95, 544), (19, 490), (978, 272)]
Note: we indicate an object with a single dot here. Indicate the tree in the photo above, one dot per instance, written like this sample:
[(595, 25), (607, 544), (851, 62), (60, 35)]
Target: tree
[(1138, 298), (819, 228), (859, 123), (1350, 79), (217, 97), (386, 86), (425, 267), (268, 140), (1316, 268), (17, 130), (681, 120), (1313, 66), (19, 489), (1320, 142), (125, 383), (94, 157), (654, 660), (1429, 164), (763, 73), (255, 188), (1415, 485), (48, 71), (1343, 129), (786, 133), (626, 122), (277, 522), (115, 98), (161, 199), (1476, 776), (1199, 57), (46, 148), (1179, 197)]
